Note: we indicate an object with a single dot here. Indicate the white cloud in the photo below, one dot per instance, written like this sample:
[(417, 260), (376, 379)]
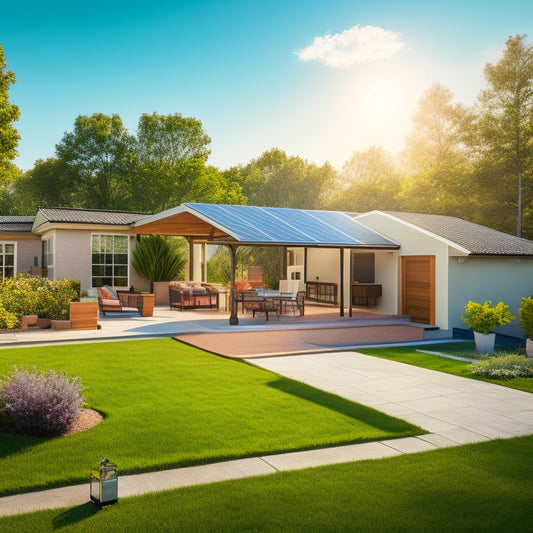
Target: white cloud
[(360, 44)]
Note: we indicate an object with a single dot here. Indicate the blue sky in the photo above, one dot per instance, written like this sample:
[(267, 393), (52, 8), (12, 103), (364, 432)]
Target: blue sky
[(314, 78)]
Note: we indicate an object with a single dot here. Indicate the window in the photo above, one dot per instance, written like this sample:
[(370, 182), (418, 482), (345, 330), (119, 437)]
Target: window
[(47, 255), (363, 268), (7, 260), (110, 255)]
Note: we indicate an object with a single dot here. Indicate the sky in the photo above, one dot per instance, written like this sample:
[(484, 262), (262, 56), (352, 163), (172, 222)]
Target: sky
[(317, 79)]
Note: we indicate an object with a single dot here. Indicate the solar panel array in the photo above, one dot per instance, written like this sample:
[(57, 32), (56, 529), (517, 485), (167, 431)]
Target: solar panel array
[(275, 225)]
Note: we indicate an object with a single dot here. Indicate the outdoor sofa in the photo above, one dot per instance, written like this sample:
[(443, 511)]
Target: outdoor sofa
[(192, 295), (111, 300)]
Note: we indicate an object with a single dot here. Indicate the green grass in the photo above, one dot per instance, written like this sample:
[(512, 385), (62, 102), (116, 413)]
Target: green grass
[(168, 405), (410, 356), (479, 487)]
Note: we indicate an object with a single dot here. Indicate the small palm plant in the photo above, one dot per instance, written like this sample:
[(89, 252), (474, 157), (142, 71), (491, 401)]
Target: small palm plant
[(157, 258)]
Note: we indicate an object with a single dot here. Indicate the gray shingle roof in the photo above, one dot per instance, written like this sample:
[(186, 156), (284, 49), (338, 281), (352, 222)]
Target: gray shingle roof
[(477, 239), (89, 216), (16, 223)]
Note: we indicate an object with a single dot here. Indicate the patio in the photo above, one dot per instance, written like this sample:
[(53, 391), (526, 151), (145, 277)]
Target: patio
[(319, 329)]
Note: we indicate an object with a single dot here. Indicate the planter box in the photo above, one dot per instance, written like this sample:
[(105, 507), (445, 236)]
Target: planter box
[(148, 303), (84, 315), (61, 324), (161, 293)]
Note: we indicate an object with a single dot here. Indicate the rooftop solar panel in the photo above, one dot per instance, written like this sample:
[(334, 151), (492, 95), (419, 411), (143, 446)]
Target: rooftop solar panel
[(289, 226)]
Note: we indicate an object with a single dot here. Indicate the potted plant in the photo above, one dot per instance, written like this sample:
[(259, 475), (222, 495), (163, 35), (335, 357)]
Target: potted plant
[(159, 259), (483, 318), (525, 314)]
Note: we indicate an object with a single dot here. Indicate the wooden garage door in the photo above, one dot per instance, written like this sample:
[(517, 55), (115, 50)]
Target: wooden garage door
[(418, 288)]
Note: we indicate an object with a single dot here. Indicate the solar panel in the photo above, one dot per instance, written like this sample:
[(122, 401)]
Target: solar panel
[(288, 226)]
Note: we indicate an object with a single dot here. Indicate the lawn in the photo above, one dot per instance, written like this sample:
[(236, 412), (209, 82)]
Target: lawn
[(478, 487), (411, 356), (168, 405)]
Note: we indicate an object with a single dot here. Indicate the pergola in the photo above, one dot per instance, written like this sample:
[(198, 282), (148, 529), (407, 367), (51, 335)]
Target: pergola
[(241, 225)]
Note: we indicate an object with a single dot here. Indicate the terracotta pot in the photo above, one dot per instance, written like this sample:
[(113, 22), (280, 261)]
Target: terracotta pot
[(484, 343), (529, 347)]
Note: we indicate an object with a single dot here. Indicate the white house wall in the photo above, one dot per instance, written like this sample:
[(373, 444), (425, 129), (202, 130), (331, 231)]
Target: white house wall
[(416, 242), (504, 279)]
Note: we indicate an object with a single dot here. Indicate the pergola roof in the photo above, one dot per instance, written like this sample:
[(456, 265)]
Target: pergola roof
[(272, 226)]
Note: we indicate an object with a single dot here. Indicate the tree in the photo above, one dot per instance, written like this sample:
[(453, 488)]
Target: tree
[(277, 180), (502, 135), (9, 113), (99, 151), (52, 182), (369, 180), (436, 161), (171, 152)]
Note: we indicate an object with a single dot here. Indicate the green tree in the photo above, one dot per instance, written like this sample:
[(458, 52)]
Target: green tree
[(9, 113), (369, 180), (171, 152), (9, 138), (99, 151), (436, 163), (277, 180), (52, 182), (502, 137)]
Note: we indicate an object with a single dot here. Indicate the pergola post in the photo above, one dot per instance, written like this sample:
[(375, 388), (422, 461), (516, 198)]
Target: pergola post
[(233, 318), (342, 281), (191, 258)]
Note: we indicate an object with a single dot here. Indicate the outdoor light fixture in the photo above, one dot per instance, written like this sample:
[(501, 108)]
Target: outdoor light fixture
[(104, 484)]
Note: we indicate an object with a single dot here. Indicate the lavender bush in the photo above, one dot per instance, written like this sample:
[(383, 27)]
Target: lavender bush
[(40, 403)]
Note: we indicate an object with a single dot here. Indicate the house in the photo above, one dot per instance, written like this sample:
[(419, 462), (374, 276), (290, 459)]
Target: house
[(425, 266)]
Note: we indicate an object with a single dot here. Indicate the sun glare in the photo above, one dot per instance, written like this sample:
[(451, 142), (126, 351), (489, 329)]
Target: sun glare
[(382, 102)]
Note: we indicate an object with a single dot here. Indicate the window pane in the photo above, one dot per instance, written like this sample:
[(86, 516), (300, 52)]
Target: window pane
[(121, 282), (108, 259), (121, 259), (121, 271), (108, 270), (96, 247), (121, 245), (98, 270), (10, 260), (97, 282), (1, 260), (9, 271), (98, 258), (10, 248)]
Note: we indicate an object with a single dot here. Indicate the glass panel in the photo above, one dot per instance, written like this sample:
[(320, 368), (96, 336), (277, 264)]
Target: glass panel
[(121, 245), (97, 282), (121, 271), (10, 260), (98, 270), (9, 271), (121, 259), (96, 246), (121, 282), (10, 248), (98, 258), (1, 260), (108, 270), (108, 259), (108, 242), (1, 248)]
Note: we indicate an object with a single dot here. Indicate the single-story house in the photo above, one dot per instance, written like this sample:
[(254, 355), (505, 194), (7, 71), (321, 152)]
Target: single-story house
[(425, 266)]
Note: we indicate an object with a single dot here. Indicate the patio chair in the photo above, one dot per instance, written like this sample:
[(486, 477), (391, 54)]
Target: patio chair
[(296, 303), (267, 306)]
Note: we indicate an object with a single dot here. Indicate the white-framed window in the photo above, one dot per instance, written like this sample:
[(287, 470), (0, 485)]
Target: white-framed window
[(8, 264), (110, 260), (47, 254)]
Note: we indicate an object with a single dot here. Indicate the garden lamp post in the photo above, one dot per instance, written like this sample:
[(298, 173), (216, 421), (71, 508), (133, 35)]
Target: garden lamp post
[(104, 484)]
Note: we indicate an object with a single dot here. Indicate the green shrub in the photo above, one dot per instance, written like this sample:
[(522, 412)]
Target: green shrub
[(32, 295), (525, 314), (504, 367), (40, 403), (7, 320), (484, 318)]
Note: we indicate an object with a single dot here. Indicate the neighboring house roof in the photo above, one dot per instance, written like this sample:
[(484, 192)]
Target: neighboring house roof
[(267, 226), (474, 238), (16, 223), (67, 215)]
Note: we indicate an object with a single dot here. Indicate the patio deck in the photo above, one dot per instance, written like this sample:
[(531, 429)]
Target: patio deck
[(321, 329)]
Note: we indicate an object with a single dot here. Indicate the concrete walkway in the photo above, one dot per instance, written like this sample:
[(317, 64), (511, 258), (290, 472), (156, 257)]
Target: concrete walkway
[(454, 410)]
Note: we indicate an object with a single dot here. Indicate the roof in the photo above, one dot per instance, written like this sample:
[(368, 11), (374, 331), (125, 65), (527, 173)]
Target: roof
[(68, 215), (476, 239), (16, 223), (265, 226)]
